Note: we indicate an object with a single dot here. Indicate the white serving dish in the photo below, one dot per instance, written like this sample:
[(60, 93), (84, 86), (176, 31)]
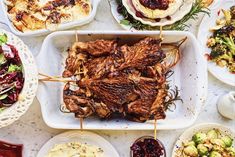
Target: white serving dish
[(4, 19), (83, 137), (221, 73), (190, 76), (203, 127), (27, 94)]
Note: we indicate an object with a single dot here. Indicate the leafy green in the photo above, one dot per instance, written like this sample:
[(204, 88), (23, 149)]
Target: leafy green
[(2, 59), (125, 22), (3, 39), (1, 109), (14, 68), (4, 96), (179, 25)]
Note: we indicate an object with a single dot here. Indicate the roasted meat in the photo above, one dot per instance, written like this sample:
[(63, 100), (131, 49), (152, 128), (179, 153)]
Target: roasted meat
[(114, 79)]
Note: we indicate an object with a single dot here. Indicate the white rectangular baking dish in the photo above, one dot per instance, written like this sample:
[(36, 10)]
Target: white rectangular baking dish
[(4, 19), (190, 75)]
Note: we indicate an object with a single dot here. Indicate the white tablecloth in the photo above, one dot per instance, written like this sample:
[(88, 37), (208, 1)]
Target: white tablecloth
[(33, 132)]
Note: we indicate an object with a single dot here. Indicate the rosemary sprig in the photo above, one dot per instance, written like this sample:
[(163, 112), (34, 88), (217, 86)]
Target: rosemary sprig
[(171, 98), (179, 25)]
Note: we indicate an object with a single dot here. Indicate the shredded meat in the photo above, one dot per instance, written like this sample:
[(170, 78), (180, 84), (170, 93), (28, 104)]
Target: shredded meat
[(128, 80)]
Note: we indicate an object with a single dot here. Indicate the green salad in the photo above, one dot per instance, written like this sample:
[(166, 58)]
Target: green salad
[(210, 144), (222, 42)]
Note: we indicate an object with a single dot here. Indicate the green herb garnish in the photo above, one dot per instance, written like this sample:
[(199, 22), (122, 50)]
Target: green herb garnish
[(14, 68), (3, 39), (3, 60)]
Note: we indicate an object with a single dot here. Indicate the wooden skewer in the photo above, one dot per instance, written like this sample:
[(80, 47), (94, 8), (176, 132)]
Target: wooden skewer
[(54, 79), (80, 72), (155, 129), (81, 124), (161, 35), (76, 35), (155, 121)]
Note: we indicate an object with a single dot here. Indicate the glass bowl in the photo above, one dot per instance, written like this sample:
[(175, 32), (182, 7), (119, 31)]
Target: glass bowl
[(149, 137)]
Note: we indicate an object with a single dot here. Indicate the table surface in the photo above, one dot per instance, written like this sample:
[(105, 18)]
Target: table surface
[(31, 130)]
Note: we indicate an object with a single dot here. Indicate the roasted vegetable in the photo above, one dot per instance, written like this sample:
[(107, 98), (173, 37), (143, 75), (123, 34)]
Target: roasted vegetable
[(212, 134), (199, 137), (210, 144), (202, 150), (228, 141), (191, 151), (222, 42), (215, 154)]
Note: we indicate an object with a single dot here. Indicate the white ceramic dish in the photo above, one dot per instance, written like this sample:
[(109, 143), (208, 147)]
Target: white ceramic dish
[(179, 14), (13, 113), (204, 127), (81, 137), (189, 74), (203, 34), (4, 19)]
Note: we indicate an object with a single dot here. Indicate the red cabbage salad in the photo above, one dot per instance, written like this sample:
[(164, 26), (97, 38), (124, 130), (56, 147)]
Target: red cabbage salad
[(11, 74)]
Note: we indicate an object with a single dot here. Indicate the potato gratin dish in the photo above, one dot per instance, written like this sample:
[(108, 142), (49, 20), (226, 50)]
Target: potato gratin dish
[(29, 15)]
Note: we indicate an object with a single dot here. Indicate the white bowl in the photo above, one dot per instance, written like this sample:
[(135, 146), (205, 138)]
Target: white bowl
[(83, 137), (204, 127), (62, 26), (13, 113), (190, 76)]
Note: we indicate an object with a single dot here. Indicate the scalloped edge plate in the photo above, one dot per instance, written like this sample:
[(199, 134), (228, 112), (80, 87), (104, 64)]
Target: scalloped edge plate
[(13, 113), (203, 127), (179, 14)]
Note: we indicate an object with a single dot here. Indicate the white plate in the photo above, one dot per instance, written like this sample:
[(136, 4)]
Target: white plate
[(203, 34), (13, 113), (4, 19), (179, 14), (189, 74), (204, 127), (81, 137)]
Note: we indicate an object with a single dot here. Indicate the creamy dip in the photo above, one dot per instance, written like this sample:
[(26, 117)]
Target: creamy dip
[(75, 149)]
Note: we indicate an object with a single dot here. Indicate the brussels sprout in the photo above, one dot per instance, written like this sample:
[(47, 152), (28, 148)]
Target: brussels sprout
[(212, 134), (228, 141), (202, 150), (199, 137), (190, 143), (218, 142), (215, 154), (191, 151)]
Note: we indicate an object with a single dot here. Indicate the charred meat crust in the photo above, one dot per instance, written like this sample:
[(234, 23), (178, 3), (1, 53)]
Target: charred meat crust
[(128, 80)]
